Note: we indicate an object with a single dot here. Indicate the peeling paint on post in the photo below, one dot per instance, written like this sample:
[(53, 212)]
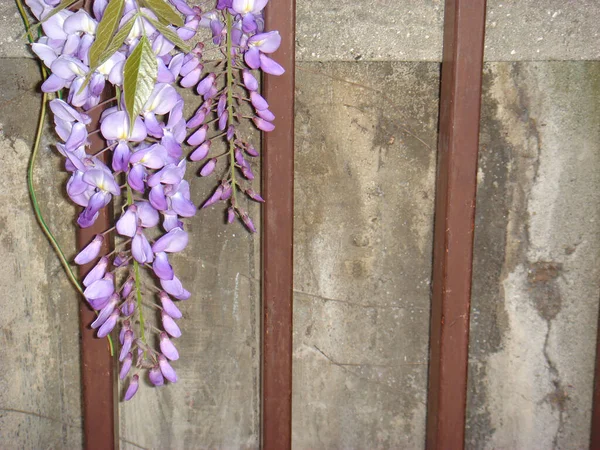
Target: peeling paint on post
[(462, 67)]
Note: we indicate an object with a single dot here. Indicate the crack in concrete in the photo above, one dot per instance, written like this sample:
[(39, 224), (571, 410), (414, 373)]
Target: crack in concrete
[(358, 304)]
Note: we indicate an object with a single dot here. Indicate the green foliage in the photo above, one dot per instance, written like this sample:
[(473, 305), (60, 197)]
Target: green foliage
[(169, 34), (106, 30), (164, 12), (141, 70)]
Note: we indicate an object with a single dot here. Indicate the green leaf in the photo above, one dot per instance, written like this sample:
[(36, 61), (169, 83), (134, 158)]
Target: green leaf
[(106, 29), (117, 40), (141, 70), (170, 35), (164, 12)]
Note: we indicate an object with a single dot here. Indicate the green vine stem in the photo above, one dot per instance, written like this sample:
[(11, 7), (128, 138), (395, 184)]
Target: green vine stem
[(30, 179), (230, 82)]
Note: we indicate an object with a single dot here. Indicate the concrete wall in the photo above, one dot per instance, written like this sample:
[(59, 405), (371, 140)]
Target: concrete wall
[(367, 98)]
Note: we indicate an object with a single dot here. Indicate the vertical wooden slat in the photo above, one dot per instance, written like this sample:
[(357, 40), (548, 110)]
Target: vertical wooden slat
[(462, 64), (595, 432), (277, 236), (97, 370)]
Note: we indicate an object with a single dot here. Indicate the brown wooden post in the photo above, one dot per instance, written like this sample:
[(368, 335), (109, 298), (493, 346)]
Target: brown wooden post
[(277, 236), (99, 389), (595, 432), (462, 64)]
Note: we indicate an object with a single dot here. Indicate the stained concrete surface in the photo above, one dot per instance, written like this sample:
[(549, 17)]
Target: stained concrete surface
[(388, 30), (40, 404), (365, 165), (537, 246)]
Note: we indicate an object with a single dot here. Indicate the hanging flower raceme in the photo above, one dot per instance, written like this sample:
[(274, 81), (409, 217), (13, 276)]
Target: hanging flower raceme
[(126, 57)]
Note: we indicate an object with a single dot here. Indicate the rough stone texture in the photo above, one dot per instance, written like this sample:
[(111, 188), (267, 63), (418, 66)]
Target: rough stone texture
[(365, 165), (40, 403), (12, 33), (390, 30), (537, 244)]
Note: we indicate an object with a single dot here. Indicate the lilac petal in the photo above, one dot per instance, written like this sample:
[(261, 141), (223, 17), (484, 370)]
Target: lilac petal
[(103, 180), (182, 206), (214, 198), (127, 223), (166, 369), (115, 126), (230, 215), (77, 137), (169, 307), (128, 308), (258, 101), (133, 387), (157, 198), (208, 168), (106, 311), (222, 104), (254, 195), (198, 117), (147, 215), (161, 267), (175, 288), (153, 126), (227, 191), (249, 80), (201, 152), (126, 366), (108, 326), (230, 132), (247, 172), (169, 325), (126, 325), (248, 23), (239, 157), (45, 52), (170, 174), (127, 288), (199, 136), (190, 63), (270, 66), (262, 124), (91, 250), (120, 159), (173, 147), (205, 85), (53, 84), (223, 119), (176, 63), (251, 151), (164, 74), (183, 7), (153, 157), (266, 114), (62, 109), (252, 58), (171, 221), (99, 289), (192, 78), (212, 93), (248, 222), (174, 241), (156, 376), (266, 42), (162, 100), (127, 341), (168, 348), (97, 272), (140, 248), (136, 176), (80, 22)]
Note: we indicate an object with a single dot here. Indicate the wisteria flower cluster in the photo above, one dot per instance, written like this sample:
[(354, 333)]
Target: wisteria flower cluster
[(138, 51)]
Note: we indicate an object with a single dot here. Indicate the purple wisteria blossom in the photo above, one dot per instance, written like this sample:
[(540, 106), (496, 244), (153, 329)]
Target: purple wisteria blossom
[(124, 59)]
